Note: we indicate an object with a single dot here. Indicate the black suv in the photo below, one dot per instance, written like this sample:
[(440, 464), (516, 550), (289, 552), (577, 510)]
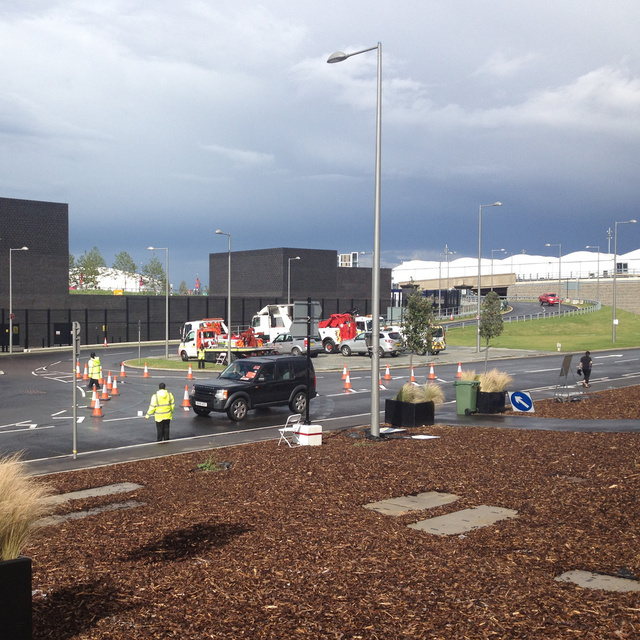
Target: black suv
[(262, 381)]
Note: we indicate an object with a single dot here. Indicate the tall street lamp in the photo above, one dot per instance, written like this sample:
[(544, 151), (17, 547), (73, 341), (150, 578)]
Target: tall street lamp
[(595, 246), (11, 298), (222, 233), (339, 56), (289, 279), (559, 276), (166, 298), (448, 253), (492, 252), (495, 204), (615, 271)]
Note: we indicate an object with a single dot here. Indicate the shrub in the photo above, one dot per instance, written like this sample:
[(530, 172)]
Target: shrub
[(426, 393), (21, 505), (494, 380), (468, 376)]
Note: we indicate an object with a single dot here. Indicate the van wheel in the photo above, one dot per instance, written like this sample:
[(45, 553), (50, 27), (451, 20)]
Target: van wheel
[(299, 402), (201, 412), (237, 410), (184, 356)]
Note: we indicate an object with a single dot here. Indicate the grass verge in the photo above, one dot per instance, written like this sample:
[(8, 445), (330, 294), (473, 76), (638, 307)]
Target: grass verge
[(574, 333)]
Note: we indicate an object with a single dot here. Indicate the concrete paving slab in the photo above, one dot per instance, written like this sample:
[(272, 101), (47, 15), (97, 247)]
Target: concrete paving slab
[(465, 520), (107, 490), (404, 504), (78, 515), (590, 580)]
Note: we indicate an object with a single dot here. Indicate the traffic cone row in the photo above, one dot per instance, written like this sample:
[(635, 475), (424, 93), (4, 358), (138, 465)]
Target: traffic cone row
[(186, 405)]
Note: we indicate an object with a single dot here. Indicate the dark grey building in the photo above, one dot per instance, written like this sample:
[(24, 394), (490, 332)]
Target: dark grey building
[(263, 276), (41, 274)]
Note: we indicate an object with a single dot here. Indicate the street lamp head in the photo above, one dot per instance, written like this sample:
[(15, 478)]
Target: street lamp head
[(150, 248), (497, 204), (338, 56), (218, 231)]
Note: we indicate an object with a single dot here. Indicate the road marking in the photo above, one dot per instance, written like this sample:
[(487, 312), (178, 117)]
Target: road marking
[(612, 355)]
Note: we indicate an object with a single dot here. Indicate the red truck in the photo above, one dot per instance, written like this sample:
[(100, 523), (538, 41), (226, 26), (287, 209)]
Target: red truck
[(549, 298)]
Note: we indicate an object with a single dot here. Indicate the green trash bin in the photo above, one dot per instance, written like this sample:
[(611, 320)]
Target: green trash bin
[(466, 396)]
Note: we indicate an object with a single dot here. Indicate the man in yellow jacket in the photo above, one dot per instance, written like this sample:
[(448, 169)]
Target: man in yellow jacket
[(94, 371), (162, 406)]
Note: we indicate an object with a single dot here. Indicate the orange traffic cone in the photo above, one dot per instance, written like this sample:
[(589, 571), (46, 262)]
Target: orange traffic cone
[(97, 410), (459, 374), (190, 374), (78, 374), (387, 374), (347, 384), (114, 390), (101, 379), (105, 394), (186, 405), (94, 397), (451, 317), (85, 375), (345, 373), (146, 371), (432, 374), (123, 373), (380, 383), (413, 377), (109, 382), (106, 344)]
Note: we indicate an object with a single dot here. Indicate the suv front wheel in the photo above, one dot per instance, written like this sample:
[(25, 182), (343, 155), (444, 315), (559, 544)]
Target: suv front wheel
[(298, 403), (237, 410)]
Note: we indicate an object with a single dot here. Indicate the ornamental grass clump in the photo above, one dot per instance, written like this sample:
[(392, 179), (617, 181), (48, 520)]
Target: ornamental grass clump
[(468, 375), (425, 393), (494, 380), (21, 505)]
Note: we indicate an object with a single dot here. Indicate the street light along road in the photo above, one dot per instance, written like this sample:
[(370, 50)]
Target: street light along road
[(340, 56)]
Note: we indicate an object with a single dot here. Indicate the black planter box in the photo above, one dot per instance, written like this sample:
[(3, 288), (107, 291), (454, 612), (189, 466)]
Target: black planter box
[(491, 401), (15, 599), (408, 414)]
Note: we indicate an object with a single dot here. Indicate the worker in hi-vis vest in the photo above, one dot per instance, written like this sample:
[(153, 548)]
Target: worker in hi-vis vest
[(162, 406), (93, 367)]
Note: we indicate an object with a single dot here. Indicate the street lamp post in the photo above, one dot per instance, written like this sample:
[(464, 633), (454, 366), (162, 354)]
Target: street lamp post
[(289, 279), (495, 204), (559, 276), (339, 56), (222, 233), (166, 298), (615, 271), (448, 253), (492, 252), (11, 298), (595, 246)]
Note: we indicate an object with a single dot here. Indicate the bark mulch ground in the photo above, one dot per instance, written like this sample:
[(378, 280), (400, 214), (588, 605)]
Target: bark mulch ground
[(279, 545)]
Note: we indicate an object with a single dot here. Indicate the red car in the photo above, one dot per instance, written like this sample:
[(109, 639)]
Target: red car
[(549, 298)]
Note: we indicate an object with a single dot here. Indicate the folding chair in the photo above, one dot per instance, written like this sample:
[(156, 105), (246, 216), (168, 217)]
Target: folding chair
[(289, 433)]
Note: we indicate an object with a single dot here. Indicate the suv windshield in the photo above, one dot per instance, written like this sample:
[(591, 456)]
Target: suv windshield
[(240, 370)]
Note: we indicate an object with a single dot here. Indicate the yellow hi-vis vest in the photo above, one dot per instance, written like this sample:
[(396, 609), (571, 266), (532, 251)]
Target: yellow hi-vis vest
[(94, 368), (162, 405)]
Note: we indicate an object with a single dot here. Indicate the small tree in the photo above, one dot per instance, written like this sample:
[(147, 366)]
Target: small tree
[(183, 288), (153, 274), (417, 323), (74, 273), (491, 323), (126, 264), (88, 266)]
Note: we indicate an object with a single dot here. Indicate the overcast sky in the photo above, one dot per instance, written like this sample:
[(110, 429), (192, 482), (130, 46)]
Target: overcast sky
[(160, 122)]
